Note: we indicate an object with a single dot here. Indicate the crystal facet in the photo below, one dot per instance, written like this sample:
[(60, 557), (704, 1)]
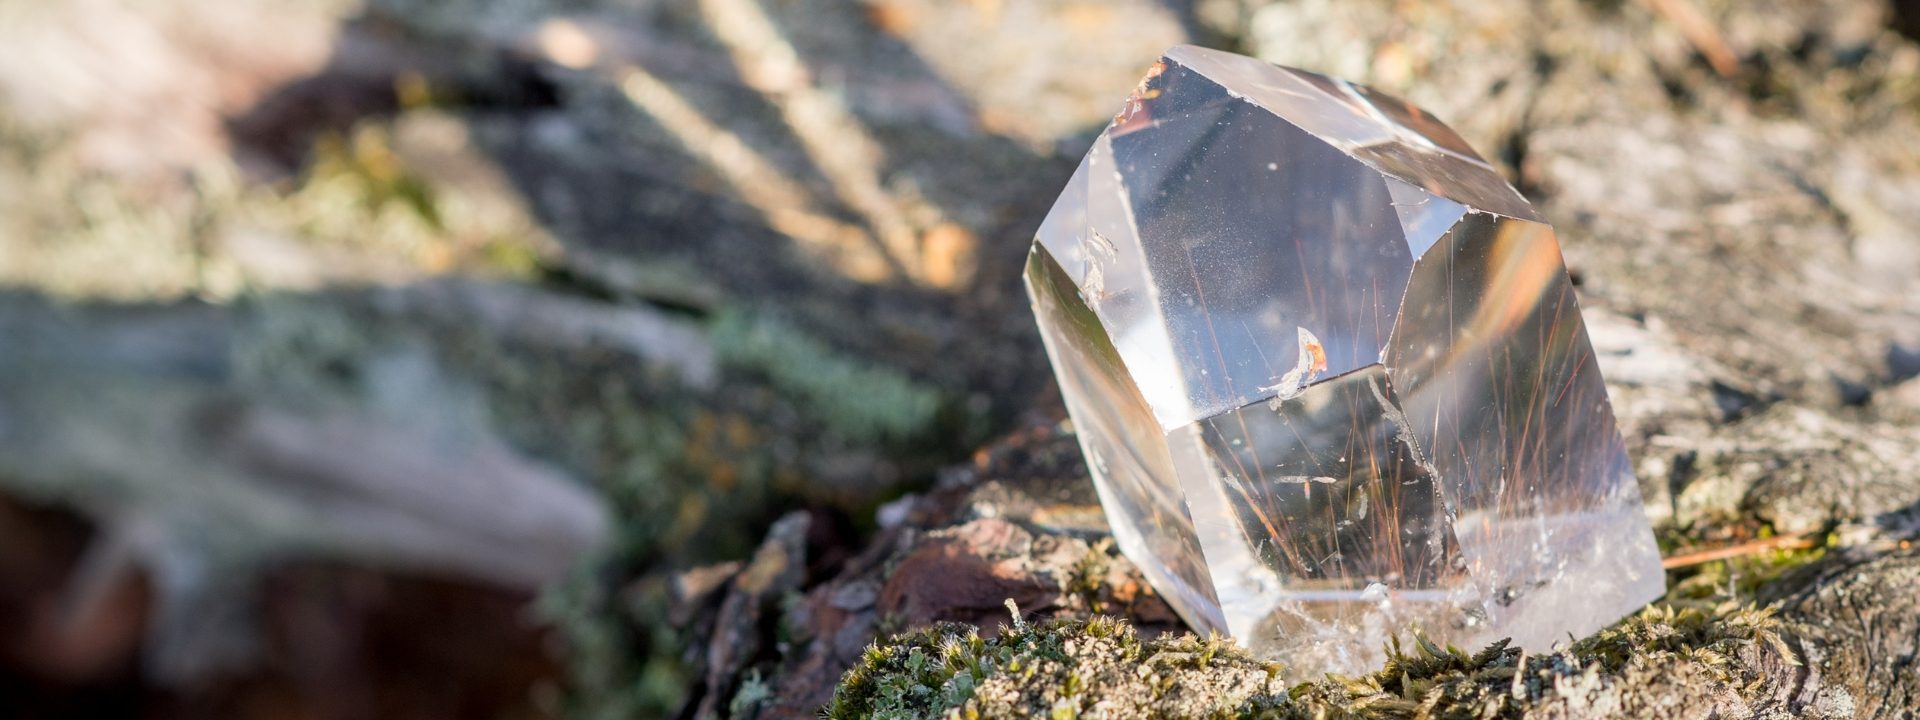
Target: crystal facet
[(1329, 374)]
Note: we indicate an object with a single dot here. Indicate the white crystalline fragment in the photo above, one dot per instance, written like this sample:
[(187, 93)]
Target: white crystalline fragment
[(1312, 361)]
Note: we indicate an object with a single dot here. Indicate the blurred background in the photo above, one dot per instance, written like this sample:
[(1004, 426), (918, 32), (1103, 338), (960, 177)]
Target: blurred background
[(430, 359)]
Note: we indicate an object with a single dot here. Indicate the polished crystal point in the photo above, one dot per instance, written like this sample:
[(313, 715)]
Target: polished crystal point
[(1329, 373)]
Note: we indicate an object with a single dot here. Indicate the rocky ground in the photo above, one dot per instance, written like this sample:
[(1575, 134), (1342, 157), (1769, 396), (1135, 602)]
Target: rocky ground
[(327, 344)]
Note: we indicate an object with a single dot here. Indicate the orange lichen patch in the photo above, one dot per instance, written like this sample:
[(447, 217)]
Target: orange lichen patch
[(1002, 122), (435, 257), (892, 17), (988, 10), (689, 517), (1087, 18), (947, 255), (712, 443), (723, 477), (741, 433)]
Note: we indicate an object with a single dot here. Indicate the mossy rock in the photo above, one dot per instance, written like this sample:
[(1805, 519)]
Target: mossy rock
[(1679, 661)]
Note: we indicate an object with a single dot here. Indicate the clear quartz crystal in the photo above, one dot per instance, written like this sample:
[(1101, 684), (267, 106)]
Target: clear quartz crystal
[(1329, 373)]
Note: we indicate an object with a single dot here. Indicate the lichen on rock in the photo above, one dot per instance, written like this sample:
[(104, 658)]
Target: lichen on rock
[(1098, 666), (1725, 661)]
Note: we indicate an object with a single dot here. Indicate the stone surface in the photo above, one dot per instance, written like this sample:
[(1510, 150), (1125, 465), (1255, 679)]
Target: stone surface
[(1329, 372), (1860, 618)]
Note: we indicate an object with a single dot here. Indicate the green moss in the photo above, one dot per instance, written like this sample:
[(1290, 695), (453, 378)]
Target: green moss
[(1714, 636), (1436, 682), (752, 695), (865, 403), (1068, 668), (1058, 669), (1738, 578), (359, 175), (917, 675), (1741, 577), (1090, 573), (358, 212)]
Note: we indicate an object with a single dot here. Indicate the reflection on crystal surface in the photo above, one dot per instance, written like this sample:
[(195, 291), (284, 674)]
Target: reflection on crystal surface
[(1125, 447), (1329, 374), (1498, 378), (1238, 194), (1389, 134), (1424, 218)]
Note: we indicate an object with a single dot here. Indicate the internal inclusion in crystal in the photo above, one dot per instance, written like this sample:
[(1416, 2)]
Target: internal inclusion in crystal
[(1334, 494), (1329, 374), (1338, 488)]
